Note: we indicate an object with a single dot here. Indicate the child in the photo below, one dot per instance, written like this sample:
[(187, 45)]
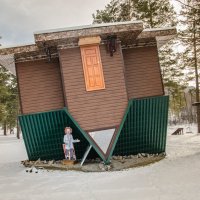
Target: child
[(68, 144)]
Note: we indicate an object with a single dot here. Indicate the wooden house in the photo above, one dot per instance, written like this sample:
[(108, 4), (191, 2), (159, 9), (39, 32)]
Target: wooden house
[(99, 79)]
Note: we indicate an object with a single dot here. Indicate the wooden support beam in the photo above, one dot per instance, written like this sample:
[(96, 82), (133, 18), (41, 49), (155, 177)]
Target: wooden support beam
[(89, 40)]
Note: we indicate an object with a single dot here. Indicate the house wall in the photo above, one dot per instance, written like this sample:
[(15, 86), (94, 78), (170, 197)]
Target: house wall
[(142, 71), (40, 86), (94, 109)]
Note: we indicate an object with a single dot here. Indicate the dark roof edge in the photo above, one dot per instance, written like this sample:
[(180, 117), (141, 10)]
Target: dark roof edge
[(74, 28), (18, 49)]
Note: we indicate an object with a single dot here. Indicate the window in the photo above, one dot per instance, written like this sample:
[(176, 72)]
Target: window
[(103, 138), (92, 67)]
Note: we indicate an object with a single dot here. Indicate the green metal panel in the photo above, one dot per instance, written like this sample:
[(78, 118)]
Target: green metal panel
[(143, 128), (88, 138), (43, 135)]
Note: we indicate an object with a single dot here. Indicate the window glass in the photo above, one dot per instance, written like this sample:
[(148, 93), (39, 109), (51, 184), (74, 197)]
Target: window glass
[(103, 138)]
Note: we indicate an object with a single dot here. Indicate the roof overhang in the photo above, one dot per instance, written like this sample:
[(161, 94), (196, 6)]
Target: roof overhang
[(125, 31), (154, 37), (131, 34), (160, 35)]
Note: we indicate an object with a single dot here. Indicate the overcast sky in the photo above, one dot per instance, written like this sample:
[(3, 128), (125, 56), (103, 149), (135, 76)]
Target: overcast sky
[(20, 18)]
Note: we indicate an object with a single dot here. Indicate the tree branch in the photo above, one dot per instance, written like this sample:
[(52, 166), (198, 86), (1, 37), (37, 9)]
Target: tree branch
[(186, 5)]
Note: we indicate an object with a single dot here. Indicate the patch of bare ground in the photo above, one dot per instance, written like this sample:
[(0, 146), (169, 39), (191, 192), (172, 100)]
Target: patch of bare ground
[(117, 163)]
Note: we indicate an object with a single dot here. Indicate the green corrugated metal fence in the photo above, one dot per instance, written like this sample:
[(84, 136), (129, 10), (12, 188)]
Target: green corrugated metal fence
[(143, 128), (43, 135)]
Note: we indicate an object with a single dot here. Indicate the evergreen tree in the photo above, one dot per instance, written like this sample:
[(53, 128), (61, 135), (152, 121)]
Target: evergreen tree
[(153, 13), (176, 94), (174, 78), (8, 100), (171, 67), (111, 13), (190, 38)]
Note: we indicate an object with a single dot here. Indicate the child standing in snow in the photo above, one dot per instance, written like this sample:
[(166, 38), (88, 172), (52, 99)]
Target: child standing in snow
[(68, 144)]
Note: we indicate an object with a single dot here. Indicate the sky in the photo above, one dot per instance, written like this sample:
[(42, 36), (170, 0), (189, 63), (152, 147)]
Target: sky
[(19, 19)]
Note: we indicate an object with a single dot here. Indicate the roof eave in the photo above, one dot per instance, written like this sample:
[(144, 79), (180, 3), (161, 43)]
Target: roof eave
[(18, 49), (102, 30), (161, 35)]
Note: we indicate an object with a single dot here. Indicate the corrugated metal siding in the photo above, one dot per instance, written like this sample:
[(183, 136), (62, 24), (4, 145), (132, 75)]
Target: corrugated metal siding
[(43, 135), (40, 86), (95, 109), (142, 71), (144, 127)]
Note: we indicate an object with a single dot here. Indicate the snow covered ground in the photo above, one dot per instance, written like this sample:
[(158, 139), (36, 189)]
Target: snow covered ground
[(176, 177)]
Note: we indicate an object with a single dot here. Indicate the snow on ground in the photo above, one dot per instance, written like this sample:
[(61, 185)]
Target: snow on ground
[(175, 178), (182, 145)]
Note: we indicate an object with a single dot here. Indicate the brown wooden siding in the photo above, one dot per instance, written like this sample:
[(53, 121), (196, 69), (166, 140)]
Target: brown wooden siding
[(40, 86), (142, 71), (94, 109)]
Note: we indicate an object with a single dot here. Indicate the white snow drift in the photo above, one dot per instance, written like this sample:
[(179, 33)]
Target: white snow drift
[(176, 177)]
